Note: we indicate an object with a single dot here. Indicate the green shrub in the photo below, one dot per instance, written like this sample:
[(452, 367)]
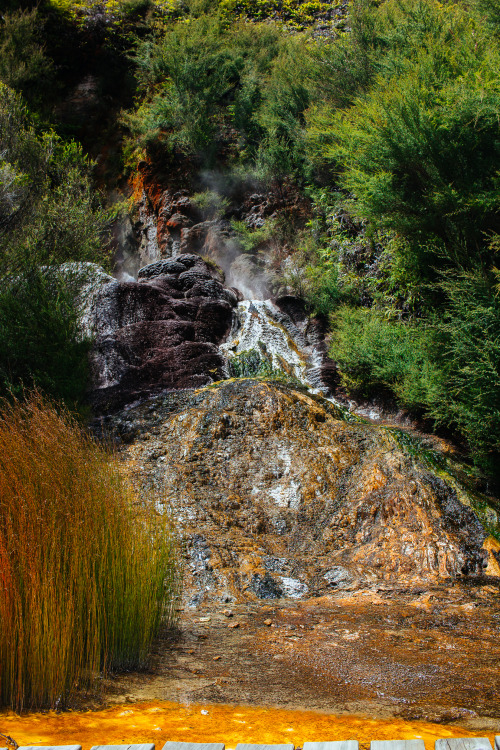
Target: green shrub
[(87, 571), (24, 65), (490, 11), (196, 71), (419, 148), (469, 356), (207, 85), (323, 288), (211, 204), (448, 367), (251, 240), (285, 98), (49, 215), (373, 352), (49, 211), (40, 338), (295, 13)]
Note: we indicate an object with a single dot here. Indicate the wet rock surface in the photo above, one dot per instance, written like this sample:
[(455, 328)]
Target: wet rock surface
[(281, 335), (277, 495), (158, 333), (428, 654)]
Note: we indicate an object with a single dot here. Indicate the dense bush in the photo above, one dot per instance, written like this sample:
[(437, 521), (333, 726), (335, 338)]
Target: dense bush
[(40, 338), (296, 13), (448, 368), (197, 71), (24, 66), (207, 88), (405, 121), (419, 148), (87, 572), (49, 211), (469, 356), (49, 215), (374, 352)]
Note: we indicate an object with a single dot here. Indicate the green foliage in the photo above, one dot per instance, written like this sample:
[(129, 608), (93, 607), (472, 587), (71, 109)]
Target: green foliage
[(50, 212), (250, 364), (196, 71), (373, 352), (449, 368), (254, 363), (469, 353), (40, 338), (49, 215), (87, 570), (210, 203), (121, 16), (323, 285), (24, 65), (295, 13), (252, 240), (281, 116), (420, 147), (343, 66), (405, 118), (490, 12), (209, 86)]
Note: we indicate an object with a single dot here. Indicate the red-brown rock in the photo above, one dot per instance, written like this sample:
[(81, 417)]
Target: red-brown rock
[(159, 333)]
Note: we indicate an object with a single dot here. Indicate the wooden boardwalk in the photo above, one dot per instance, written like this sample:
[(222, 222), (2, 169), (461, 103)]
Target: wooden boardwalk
[(455, 743)]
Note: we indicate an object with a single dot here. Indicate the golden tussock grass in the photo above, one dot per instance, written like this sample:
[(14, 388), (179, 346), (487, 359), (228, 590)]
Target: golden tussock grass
[(87, 571)]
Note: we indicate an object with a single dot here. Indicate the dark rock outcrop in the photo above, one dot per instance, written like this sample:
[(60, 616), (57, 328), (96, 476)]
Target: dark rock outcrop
[(160, 332)]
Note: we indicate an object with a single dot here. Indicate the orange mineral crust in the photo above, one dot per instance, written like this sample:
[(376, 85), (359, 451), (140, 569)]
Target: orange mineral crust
[(161, 721)]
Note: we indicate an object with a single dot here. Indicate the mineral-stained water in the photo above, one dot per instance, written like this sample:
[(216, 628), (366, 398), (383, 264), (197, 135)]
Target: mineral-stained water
[(260, 326)]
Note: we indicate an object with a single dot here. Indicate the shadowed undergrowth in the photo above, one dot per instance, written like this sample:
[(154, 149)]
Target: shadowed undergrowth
[(87, 572)]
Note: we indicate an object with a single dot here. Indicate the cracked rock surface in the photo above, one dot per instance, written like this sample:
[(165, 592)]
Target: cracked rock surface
[(277, 495)]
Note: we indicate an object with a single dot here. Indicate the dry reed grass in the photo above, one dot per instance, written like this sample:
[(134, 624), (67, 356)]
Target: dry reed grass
[(87, 572)]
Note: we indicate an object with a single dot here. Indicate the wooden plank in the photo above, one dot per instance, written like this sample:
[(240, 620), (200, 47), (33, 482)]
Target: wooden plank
[(50, 747), (397, 745), (146, 746), (463, 743), (245, 746), (337, 745), (193, 746), (497, 742)]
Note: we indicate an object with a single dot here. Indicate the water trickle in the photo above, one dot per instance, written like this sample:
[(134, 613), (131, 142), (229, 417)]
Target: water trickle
[(261, 327), (157, 722)]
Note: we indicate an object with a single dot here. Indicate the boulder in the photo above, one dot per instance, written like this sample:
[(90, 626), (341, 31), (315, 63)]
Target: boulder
[(158, 333)]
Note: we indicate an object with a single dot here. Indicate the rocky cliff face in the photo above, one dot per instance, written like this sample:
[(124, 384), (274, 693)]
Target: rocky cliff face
[(171, 221), (278, 495)]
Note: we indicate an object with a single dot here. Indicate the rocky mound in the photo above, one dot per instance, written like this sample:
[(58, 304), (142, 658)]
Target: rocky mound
[(278, 495), (158, 333)]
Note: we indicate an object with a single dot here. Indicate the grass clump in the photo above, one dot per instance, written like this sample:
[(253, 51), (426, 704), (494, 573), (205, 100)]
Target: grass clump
[(87, 572)]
